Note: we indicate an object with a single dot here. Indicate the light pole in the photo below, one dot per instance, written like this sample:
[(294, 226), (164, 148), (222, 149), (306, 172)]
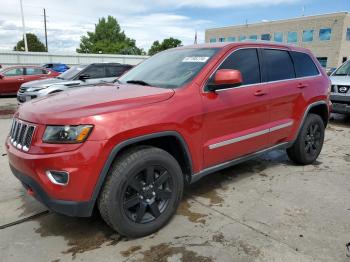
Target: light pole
[(24, 28)]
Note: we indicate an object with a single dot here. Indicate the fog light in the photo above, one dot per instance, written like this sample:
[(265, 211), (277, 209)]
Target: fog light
[(58, 177)]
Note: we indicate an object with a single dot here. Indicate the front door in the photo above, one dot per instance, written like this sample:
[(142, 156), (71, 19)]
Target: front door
[(12, 80), (236, 120)]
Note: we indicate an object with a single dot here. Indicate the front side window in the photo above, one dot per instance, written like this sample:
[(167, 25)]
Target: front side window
[(279, 65), (303, 64), (266, 37), (292, 37), (95, 72), (308, 35), (323, 61), (222, 39), (231, 39), (348, 34), (212, 40), (325, 34), (247, 62), (278, 37), (14, 72), (34, 71), (170, 69), (343, 70)]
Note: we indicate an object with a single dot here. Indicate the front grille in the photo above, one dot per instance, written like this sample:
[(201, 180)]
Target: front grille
[(332, 89), (343, 89), (21, 134)]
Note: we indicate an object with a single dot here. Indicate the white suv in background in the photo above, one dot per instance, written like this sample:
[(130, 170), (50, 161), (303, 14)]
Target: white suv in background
[(340, 91)]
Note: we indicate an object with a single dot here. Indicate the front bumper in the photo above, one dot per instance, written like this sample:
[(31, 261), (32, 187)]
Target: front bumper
[(69, 208), (341, 104), (83, 164)]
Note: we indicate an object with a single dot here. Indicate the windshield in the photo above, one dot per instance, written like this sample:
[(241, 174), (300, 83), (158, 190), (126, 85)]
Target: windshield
[(170, 69), (71, 73), (343, 70)]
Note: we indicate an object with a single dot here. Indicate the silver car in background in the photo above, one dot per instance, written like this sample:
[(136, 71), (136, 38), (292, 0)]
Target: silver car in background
[(340, 90), (77, 76)]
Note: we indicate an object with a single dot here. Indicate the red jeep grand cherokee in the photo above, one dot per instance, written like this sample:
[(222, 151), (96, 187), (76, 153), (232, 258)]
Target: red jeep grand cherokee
[(128, 148)]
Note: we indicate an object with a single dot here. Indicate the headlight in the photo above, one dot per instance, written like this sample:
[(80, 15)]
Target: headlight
[(67, 134)]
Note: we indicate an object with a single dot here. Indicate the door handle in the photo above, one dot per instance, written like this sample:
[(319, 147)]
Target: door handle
[(301, 85), (20, 79), (260, 93)]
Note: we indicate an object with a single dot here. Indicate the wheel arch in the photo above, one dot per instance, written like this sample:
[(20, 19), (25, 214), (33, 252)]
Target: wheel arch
[(164, 140)]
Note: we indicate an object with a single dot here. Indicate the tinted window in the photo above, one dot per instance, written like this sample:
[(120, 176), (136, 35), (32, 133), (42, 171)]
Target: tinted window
[(266, 37), (115, 71), (304, 66), (348, 34), (14, 72), (322, 61), (278, 64), (34, 71), (253, 37), (222, 39), (95, 72), (246, 61), (325, 34), (231, 39), (242, 38), (212, 40)]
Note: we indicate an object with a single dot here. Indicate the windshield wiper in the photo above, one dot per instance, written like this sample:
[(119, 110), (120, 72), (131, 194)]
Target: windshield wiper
[(138, 82)]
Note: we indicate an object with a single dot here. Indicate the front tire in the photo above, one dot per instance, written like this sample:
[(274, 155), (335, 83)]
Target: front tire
[(309, 142), (142, 191)]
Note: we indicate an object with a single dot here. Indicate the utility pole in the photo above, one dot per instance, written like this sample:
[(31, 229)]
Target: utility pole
[(24, 28), (47, 49)]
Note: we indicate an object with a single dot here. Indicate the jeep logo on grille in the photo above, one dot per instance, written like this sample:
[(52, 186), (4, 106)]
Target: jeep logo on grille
[(343, 89)]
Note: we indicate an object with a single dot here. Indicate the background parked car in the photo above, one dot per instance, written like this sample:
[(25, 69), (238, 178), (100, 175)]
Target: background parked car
[(11, 78), (77, 76), (340, 90), (58, 67), (330, 70)]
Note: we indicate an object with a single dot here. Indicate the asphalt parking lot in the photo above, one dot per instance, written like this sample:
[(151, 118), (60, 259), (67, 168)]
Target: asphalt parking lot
[(267, 209)]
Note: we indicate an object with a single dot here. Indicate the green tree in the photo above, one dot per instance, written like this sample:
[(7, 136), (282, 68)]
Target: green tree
[(34, 44), (108, 38), (166, 44)]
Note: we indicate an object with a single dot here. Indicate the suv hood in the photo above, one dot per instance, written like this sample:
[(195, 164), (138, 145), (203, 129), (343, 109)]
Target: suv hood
[(74, 105), (43, 83), (340, 80)]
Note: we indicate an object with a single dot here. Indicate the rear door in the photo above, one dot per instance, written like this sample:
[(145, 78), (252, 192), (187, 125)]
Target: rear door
[(236, 119), (13, 78), (285, 95)]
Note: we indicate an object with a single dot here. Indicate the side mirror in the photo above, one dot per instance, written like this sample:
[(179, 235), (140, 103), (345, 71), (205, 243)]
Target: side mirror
[(83, 77), (226, 78), (1, 76)]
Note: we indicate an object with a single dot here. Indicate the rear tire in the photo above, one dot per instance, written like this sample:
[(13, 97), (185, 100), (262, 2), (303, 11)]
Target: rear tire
[(142, 191), (309, 142)]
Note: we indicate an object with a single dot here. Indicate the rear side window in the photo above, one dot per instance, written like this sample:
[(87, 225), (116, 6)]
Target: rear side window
[(115, 71), (304, 66), (247, 62), (279, 65), (14, 72)]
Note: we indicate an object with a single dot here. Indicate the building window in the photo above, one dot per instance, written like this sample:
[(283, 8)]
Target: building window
[(253, 37), (212, 40), (292, 37), (323, 61), (345, 59), (242, 38), (325, 34), (278, 37), (308, 35), (231, 39), (348, 34), (222, 39), (266, 37)]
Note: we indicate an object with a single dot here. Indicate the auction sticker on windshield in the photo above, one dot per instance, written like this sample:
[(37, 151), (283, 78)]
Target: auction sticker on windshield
[(195, 59)]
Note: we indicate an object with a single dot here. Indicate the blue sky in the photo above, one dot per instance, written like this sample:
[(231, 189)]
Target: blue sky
[(146, 20)]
